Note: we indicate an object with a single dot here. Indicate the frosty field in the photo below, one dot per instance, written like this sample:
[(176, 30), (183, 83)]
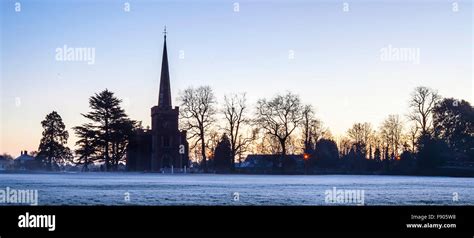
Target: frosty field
[(211, 189)]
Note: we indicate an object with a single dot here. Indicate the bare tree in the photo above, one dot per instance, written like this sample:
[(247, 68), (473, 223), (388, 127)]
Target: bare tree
[(391, 133), (266, 144), (412, 134), (422, 103), (235, 113), (360, 133), (312, 128), (344, 145), (197, 114), (293, 144), (374, 143), (246, 140), (280, 117), (307, 125), (212, 140)]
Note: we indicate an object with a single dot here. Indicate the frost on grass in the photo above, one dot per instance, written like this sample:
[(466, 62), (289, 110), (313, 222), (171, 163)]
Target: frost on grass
[(199, 189)]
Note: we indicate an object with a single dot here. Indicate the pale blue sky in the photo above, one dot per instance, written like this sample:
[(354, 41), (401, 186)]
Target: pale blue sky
[(336, 65)]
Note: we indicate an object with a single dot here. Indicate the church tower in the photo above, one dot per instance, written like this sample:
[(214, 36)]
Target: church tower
[(164, 146), (169, 144)]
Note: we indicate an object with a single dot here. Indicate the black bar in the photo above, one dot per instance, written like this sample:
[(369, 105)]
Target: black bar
[(240, 218)]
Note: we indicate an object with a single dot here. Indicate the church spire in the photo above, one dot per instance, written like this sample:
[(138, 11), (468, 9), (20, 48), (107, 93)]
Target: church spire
[(164, 98)]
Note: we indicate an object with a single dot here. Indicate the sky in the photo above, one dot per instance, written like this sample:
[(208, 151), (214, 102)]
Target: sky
[(332, 53)]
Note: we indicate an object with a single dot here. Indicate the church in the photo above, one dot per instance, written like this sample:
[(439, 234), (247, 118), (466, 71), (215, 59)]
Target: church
[(164, 146)]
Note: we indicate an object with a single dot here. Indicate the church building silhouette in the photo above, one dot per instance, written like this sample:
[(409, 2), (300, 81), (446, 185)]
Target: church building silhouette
[(164, 146)]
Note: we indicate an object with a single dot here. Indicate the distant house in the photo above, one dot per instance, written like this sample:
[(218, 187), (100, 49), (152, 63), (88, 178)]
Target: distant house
[(5, 163), (26, 162), (266, 164)]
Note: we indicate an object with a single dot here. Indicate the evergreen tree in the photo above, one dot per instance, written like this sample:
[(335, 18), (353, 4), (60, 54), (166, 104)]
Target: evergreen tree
[(111, 126), (87, 150), (53, 146), (121, 132), (326, 154), (223, 155), (453, 122), (432, 152)]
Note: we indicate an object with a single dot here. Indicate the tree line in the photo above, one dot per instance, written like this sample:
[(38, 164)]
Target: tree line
[(435, 131), (103, 138)]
